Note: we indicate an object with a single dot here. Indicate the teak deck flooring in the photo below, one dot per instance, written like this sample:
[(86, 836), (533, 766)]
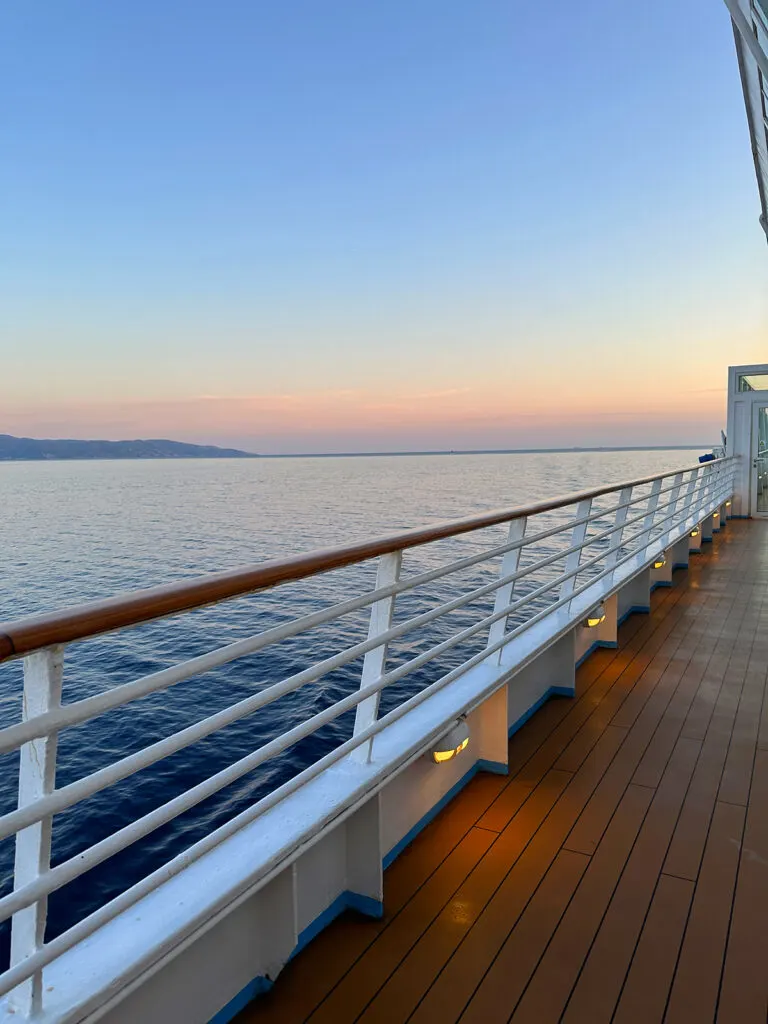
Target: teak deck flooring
[(618, 873)]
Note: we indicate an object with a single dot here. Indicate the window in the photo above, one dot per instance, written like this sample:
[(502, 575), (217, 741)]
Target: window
[(753, 382)]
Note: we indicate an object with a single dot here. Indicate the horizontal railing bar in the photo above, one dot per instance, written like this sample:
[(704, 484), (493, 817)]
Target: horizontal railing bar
[(26, 635), (86, 927), (71, 794), (80, 711), (91, 784), (130, 897), (67, 796)]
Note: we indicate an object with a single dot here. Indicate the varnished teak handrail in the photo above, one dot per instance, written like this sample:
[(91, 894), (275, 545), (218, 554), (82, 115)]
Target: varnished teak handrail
[(29, 634)]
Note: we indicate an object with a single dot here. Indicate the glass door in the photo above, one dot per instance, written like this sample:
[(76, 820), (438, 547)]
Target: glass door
[(760, 462)]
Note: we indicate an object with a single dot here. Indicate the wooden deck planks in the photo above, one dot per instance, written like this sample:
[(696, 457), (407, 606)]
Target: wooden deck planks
[(472, 899), (456, 984), (657, 691), (306, 980), (559, 969), (697, 980), (606, 877), (599, 985), (518, 958), (744, 991), (646, 990)]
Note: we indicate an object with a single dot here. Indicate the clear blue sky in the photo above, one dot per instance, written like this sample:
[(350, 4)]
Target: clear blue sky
[(344, 225)]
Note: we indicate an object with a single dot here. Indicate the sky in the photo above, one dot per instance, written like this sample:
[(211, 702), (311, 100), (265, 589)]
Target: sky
[(346, 226)]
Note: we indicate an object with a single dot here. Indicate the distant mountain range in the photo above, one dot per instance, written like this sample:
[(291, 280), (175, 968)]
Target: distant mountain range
[(30, 448)]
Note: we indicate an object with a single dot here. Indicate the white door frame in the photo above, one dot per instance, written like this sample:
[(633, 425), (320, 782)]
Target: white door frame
[(754, 489)]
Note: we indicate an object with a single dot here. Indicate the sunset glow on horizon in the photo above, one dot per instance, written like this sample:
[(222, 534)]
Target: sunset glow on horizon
[(376, 229), (350, 420)]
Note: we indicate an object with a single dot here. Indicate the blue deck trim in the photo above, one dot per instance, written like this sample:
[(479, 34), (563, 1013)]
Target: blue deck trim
[(611, 644), (660, 583), (706, 540), (254, 988), (366, 904), (345, 901), (636, 609), (679, 565), (422, 823), (553, 691), (494, 767)]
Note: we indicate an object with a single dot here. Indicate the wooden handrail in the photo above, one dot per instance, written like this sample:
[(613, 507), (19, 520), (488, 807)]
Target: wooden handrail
[(86, 620)]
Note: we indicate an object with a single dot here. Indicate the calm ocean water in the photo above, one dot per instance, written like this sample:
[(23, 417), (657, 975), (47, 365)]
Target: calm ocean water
[(77, 531)]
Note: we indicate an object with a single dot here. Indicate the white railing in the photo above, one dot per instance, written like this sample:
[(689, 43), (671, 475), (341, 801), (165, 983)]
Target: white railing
[(554, 552)]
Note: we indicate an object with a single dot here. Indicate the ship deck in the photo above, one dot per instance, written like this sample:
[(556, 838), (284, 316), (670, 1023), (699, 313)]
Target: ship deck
[(618, 873)]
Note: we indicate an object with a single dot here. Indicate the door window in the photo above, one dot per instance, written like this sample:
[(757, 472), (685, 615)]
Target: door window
[(761, 461)]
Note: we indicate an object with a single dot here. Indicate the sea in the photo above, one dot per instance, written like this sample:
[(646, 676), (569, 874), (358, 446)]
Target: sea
[(77, 531)]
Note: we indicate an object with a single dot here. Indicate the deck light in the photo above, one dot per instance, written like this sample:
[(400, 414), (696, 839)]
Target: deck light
[(661, 561), (452, 743), (595, 617), (727, 504), (695, 531), (715, 515)]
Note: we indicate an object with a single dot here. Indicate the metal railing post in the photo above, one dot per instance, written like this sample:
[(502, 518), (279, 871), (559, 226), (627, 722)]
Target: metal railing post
[(674, 498), (37, 776), (578, 535), (672, 509), (688, 496), (704, 488), (509, 564), (615, 538), (653, 502), (374, 661)]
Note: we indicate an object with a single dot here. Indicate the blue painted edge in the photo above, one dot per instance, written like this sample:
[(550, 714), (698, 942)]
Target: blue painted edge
[(366, 904), (706, 540), (660, 583), (254, 988), (679, 565), (612, 644), (494, 767), (553, 691), (636, 609), (586, 654), (422, 823), (345, 901), (695, 551)]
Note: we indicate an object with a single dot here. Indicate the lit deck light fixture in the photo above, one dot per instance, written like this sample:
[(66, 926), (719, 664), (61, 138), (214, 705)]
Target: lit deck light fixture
[(727, 504), (695, 531), (595, 617), (452, 743), (715, 515), (661, 560)]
